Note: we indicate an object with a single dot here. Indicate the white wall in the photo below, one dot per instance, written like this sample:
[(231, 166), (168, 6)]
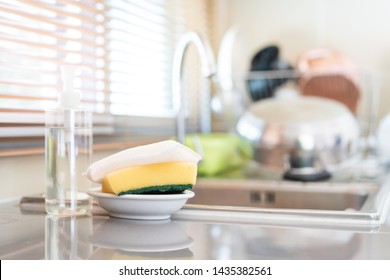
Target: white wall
[(25, 175), (21, 175), (358, 28)]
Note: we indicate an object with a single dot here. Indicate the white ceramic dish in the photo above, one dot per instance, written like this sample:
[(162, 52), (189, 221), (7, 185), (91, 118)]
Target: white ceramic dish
[(142, 206), (141, 236)]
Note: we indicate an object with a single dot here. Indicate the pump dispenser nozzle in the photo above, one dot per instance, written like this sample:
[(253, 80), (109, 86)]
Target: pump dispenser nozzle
[(69, 97)]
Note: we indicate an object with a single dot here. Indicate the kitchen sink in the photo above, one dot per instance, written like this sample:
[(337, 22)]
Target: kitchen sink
[(344, 203), (260, 194)]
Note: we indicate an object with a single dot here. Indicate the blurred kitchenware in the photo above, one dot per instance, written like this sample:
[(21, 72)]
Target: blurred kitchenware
[(305, 138), (328, 73), (267, 59), (383, 141), (221, 152), (229, 102)]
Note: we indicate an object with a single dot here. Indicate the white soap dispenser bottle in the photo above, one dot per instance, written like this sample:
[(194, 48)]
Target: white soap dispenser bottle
[(68, 152)]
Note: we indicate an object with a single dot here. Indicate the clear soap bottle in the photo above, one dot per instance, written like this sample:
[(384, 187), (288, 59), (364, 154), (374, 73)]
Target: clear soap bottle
[(68, 152)]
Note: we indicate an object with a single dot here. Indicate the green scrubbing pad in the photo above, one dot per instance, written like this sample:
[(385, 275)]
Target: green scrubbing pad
[(164, 189)]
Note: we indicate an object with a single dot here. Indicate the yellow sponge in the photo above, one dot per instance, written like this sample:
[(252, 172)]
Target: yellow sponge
[(166, 177), (164, 151)]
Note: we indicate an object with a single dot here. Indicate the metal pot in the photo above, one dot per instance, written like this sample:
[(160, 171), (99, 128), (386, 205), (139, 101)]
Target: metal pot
[(306, 138)]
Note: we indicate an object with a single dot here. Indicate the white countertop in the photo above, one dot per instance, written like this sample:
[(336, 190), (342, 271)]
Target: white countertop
[(39, 236)]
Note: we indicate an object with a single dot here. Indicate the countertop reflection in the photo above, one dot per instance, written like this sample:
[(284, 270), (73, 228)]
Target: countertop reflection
[(146, 239), (102, 237)]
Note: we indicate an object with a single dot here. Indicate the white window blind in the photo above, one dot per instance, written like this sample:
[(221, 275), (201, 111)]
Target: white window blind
[(123, 50), (139, 72)]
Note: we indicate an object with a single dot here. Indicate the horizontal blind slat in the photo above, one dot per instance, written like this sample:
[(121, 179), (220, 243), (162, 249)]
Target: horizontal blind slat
[(53, 47), (53, 22), (49, 7), (92, 8), (51, 33), (36, 58), (142, 10), (38, 117), (36, 71)]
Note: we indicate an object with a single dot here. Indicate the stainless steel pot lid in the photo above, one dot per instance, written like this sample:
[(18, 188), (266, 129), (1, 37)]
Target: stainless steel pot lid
[(298, 109), (307, 136)]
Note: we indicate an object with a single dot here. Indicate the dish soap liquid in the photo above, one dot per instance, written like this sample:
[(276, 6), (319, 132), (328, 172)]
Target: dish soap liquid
[(68, 152)]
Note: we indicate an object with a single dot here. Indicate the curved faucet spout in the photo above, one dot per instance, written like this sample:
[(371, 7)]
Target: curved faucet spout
[(208, 70)]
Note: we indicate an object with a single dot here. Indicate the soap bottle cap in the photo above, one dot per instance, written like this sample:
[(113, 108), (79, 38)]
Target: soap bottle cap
[(69, 97)]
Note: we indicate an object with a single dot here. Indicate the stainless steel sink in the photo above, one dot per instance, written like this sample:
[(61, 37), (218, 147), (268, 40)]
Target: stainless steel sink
[(286, 195), (358, 204)]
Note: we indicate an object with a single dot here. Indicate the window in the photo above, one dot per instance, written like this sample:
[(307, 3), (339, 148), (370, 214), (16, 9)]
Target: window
[(123, 50)]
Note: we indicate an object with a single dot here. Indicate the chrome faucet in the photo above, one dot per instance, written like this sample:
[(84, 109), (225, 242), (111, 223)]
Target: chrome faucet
[(208, 70)]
